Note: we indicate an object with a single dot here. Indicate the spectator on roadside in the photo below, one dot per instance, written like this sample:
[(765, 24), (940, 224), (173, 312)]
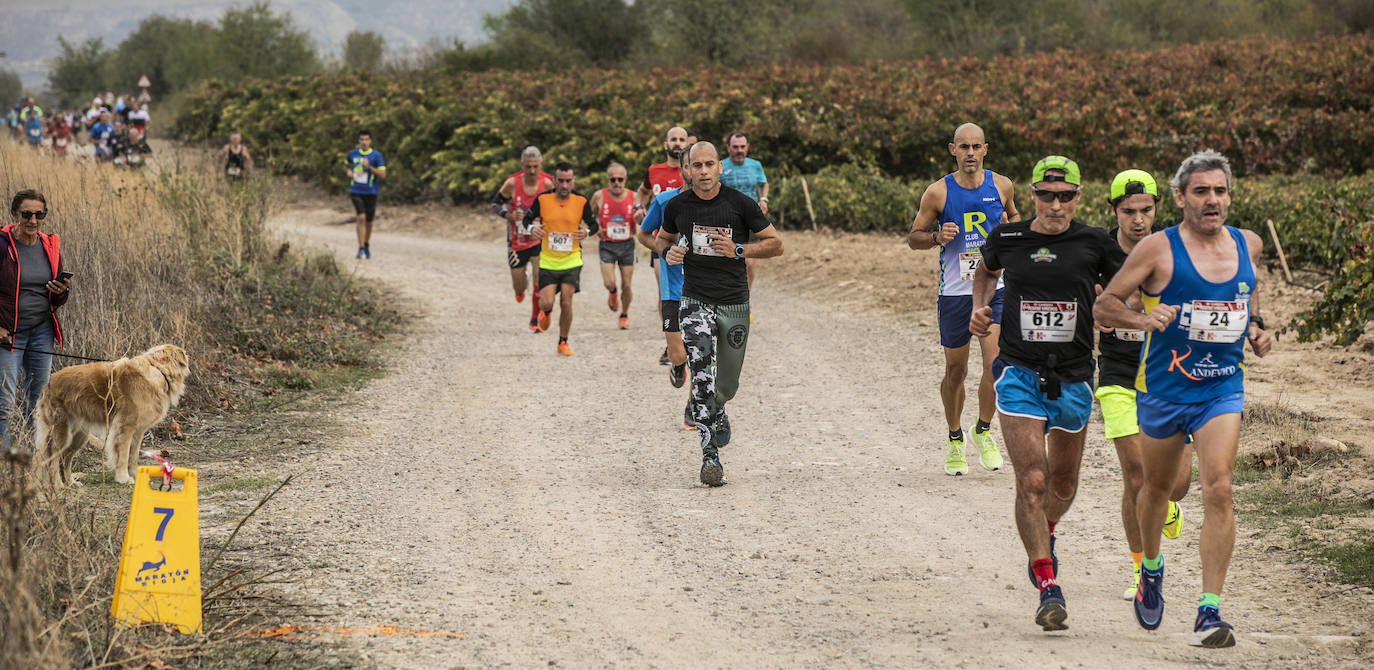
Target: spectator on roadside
[(32, 287)]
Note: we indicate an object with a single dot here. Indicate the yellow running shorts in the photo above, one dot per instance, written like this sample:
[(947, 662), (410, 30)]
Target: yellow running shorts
[(1118, 411)]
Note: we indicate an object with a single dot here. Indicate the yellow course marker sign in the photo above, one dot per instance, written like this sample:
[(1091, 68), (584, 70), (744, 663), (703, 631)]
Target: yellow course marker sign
[(159, 570)]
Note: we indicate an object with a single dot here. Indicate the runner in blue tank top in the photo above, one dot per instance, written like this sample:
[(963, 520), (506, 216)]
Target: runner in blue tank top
[(1200, 296), (956, 215)]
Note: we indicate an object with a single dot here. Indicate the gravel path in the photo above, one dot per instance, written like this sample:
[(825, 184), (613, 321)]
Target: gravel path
[(548, 508)]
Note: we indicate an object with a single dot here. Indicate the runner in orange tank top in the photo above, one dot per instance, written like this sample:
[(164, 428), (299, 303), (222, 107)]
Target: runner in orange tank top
[(614, 208), (561, 219)]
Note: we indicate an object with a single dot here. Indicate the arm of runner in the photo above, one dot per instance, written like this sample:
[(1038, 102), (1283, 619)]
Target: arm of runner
[(1110, 309), (532, 215), (666, 245), (589, 222), (645, 193), (650, 225), (379, 170), (770, 242), (500, 201), (1008, 191), (984, 287), (247, 159), (763, 191), (923, 235), (1260, 339)]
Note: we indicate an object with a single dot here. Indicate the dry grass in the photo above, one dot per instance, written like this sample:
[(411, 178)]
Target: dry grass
[(168, 255)]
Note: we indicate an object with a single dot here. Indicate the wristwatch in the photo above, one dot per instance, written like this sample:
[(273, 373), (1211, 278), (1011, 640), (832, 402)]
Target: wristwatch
[(1258, 321), (739, 254)]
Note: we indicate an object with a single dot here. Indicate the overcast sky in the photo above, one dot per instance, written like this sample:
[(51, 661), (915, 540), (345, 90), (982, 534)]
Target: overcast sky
[(29, 31)]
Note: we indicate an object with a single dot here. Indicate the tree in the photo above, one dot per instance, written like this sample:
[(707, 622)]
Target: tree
[(166, 50), (362, 52), (11, 87), (79, 71), (598, 32), (256, 42)]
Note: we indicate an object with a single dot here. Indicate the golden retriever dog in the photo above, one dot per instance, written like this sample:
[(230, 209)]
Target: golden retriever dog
[(115, 403)]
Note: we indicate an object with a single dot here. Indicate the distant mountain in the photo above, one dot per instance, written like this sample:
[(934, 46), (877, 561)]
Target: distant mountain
[(29, 33)]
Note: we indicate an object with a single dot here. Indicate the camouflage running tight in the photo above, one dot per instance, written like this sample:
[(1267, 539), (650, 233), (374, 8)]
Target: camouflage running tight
[(715, 336)]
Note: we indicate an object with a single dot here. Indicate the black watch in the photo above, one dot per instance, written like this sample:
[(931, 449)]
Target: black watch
[(739, 253), (1258, 321)]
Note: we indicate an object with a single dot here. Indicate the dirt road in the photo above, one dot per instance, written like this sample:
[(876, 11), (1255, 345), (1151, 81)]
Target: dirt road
[(548, 508)]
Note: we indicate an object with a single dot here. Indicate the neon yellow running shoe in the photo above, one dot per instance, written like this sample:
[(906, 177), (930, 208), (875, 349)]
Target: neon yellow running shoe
[(1129, 594), (954, 459), (987, 450), (1173, 521)]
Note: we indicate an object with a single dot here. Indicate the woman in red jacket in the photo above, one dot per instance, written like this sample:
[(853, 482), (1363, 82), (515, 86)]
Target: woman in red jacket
[(32, 287)]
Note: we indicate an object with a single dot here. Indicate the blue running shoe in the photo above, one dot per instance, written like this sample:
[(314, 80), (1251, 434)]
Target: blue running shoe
[(1149, 600), (1052, 615), (720, 433), (367, 251), (1054, 560), (1210, 631), (712, 472)]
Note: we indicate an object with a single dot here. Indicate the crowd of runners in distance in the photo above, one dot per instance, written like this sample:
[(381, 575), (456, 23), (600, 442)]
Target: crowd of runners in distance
[(1157, 318), (114, 129)]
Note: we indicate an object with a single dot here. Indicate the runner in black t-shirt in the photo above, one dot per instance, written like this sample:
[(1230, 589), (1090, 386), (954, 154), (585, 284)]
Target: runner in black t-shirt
[(1051, 267), (714, 224), (1133, 197)]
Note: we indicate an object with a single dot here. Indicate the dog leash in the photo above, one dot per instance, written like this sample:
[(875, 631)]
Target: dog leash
[(54, 353)]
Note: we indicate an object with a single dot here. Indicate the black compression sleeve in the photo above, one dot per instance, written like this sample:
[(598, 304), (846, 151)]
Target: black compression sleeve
[(499, 202)]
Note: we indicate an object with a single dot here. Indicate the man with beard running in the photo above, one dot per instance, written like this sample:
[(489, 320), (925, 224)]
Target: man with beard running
[(714, 224), (670, 296), (1133, 196), (614, 207), (560, 219), (510, 202), (1201, 307), (659, 178), (1052, 265)]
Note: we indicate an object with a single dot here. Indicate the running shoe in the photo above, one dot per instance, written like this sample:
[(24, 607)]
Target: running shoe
[(1129, 594), (663, 360), (987, 450), (1054, 565), (720, 432), (519, 296), (624, 322), (613, 301), (564, 349), (361, 251), (534, 326), (689, 420), (1149, 600), (677, 374), (1210, 631), (712, 472), (367, 251), (1051, 615), (1173, 521), (543, 320), (955, 464)]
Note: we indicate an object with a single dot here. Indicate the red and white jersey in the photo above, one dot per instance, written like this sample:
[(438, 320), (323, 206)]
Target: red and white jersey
[(663, 177), (521, 201), (616, 218)]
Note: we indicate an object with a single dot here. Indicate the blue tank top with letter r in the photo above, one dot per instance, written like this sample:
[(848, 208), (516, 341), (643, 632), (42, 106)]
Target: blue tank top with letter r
[(1200, 355), (976, 211)]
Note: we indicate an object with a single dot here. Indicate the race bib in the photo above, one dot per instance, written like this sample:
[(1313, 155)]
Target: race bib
[(1048, 321), (1126, 335), (36, 132), (618, 231), (100, 142), (135, 158), (968, 264), (359, 176), (560, 242), (1217, 320), (234, 171), (701, 238), (61, 141)]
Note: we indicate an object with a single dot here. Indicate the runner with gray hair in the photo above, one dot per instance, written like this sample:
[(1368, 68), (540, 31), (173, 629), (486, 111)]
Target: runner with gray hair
[(1199, 285), (515, 196)]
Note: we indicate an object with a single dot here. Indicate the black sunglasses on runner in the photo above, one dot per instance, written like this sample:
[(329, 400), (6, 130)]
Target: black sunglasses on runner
[(1049, 196), (26, 215), (616, 180)]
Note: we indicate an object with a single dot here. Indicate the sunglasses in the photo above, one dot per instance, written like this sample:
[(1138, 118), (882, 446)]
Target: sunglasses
[(26, 215), (1049, 196), (616, 180)]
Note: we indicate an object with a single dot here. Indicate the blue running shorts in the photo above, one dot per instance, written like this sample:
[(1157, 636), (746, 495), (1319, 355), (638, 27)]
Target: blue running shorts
[(954, 312), (1162, 419), (1019, 394)]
